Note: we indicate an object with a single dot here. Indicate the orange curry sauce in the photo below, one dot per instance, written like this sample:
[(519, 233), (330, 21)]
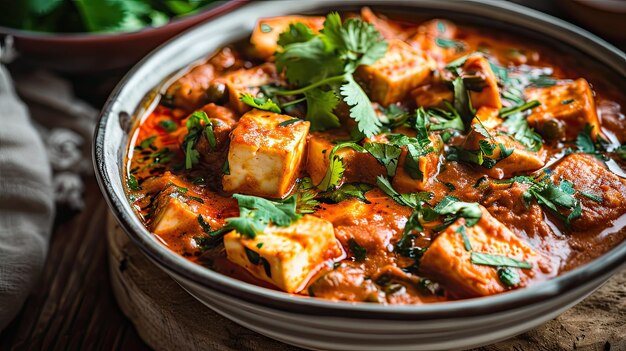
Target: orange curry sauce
[(369, 266)]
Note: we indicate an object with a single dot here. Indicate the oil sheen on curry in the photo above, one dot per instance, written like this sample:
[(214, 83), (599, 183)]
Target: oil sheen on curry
[(352, 157)]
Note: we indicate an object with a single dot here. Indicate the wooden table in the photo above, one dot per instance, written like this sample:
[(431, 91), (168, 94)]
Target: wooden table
[(72, 306)]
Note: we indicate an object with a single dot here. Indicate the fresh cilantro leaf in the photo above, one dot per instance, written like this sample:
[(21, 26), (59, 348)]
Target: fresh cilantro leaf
[(206, 227), (508, 276), (195, 125), (168, 125), (360, 107), (334, 173), (256, 213), (517, 127), (308, 62), (320, 107), (305, 197), (330, 58), (386, 154), (289, 121), (466, 242), (393, 115), (485, 259), (348, 191), (440, 119), (462, 102), (265, 28), (297, 33), (261, 104), (508, 111), (132, 183), (411, 199), (445, 43), (452, 208), (584, 141), (101, 15), (359, 252), (592, 196)]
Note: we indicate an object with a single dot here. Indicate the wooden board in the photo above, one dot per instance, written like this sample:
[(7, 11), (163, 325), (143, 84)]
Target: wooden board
[(168, 318)]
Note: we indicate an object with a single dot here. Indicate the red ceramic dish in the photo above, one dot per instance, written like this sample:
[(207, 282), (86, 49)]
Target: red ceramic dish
[(94, 52)]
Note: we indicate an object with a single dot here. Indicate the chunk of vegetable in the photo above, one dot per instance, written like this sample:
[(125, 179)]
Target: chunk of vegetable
[(489, 96), (286, 256), (601, 192), (265, 157), (572, 103), (392, 77), (247, 81), (448, 261)]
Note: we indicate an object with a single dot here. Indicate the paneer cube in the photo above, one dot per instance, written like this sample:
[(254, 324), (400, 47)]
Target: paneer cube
[(521, 159), (572, 103), (265, 157), (393, 76), (178, 205), (428, 165), (286, 256), (489, 96), (592, 177), (360, 167), (267, 30), (247, 81), (448, 262)]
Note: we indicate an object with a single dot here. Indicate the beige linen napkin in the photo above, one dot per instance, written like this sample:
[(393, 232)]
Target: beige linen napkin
[(26, 202), (43, 159)]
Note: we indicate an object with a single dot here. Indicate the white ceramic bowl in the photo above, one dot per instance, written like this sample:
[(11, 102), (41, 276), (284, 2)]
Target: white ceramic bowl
[(321, 324)]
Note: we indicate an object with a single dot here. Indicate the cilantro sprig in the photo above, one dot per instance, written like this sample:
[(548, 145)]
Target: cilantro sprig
[(256, 213), (197, 124), (320, 64)]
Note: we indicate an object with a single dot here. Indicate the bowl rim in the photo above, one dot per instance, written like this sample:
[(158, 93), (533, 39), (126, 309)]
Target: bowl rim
[(215, 8), (181, 268)]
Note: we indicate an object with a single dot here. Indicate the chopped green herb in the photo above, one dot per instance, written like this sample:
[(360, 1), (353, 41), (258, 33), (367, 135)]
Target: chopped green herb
[(256, 213), (567, 102), (357, 250), (450, 186), (334, 173), (411, 199), (466, 241), (386, 154), (265, 28), (338, 49), (168, 125), (204, 225), (289, 121), (485, 259), (592, 196), (226, 168), (508, 276), (508, 111), (348, 191), (452, 208), (132, 183), (260, 103), (256, 259), (445, 43)]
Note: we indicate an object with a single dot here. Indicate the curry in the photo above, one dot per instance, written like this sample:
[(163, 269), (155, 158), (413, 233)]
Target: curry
[(361, 158)]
